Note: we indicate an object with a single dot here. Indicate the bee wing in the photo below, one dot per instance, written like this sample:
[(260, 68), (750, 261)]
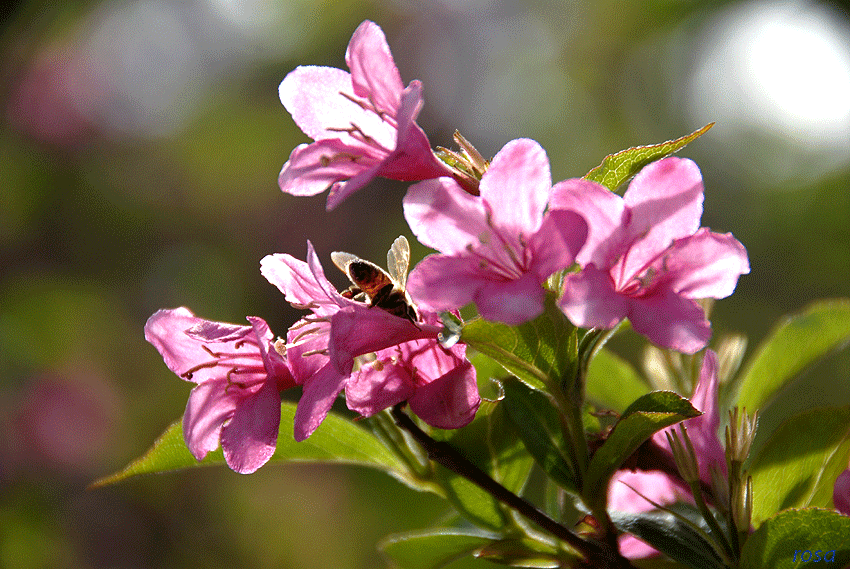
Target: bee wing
[(398, 261), (342, 260)]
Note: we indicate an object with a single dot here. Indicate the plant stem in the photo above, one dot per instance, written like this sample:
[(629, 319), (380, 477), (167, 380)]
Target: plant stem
[(596, 554)]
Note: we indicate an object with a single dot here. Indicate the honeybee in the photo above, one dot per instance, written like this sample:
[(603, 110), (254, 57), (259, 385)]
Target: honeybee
[(372, 284)]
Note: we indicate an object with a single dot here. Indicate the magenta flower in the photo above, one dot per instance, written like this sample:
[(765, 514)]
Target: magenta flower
[(497, 248), (658, 486), (322, 346), (238, 374), (647, 259), (841, 493), (363, 123)]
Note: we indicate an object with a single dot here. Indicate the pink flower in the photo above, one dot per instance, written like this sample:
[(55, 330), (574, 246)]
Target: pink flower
[(702, 430), (239, 376), (363, 123), (499, 247), (321, 349), (655, 485), (841, 493), (646, 258), (658, 486), (438, 384)]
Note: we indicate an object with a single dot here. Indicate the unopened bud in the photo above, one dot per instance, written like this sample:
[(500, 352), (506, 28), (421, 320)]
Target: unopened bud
[(740, 434), (742, 502), (684, 454)]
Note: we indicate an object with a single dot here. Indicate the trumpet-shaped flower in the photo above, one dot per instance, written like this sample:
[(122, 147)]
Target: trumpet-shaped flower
[(238, 374), (363, 123), (646, 257), (659, 486), (322, 347), (498, 247)]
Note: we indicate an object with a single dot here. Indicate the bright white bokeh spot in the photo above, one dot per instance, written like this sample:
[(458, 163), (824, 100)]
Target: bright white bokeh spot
[(776, 78)]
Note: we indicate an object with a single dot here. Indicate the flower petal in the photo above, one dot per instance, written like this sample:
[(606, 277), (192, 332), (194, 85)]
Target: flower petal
[(318, 397), (665, 200), (590, 301), (445, 217), (512, 302), (441, 282), (209, 406), (374, 388), (311, 94), (841, 493), (373, 71), (450, 401), (605, 213), (670, 321), (555, 245), (516, 186), (250, 438), (313, 168), (706, 265)]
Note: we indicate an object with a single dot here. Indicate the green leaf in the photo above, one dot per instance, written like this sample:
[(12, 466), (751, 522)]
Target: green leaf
[(650, 413), (537, 423), (615, 169), (525, 552), (338, 440), (612, 382), (536, 351), (798, 341), (672, 536), (782, 541), (431, 549), (798, 465), (473, 503)]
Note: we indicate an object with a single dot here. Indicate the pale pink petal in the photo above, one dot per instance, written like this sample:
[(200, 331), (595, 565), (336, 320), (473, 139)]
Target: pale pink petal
[(429, 285), (516, 186), (512, 302), (317, 399), (445, 217), (373, 71), (555, 245), (605, 213), (310, 338), (312, 169), (841, 493), (375, 388), (166, 330), (590, 301), (665, 200), (302, 283), (706, 265), (209, 406), (450, 401), (250, 438), (311, 94), (670, 321)]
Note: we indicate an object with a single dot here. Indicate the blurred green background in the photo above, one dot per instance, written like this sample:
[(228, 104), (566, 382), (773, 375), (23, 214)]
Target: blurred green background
[(139, 151)]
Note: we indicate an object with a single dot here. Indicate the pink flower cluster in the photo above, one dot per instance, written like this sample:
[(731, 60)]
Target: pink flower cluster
[(642, 256)]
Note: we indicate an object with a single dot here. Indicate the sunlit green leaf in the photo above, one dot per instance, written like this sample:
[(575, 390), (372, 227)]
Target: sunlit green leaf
[(798, 341), (537, 351), (615, 169), (431, 549), (337, 440), (650, 413), (796, 538), (536, 422), (613, 382), (473, 503), (798, 465)]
